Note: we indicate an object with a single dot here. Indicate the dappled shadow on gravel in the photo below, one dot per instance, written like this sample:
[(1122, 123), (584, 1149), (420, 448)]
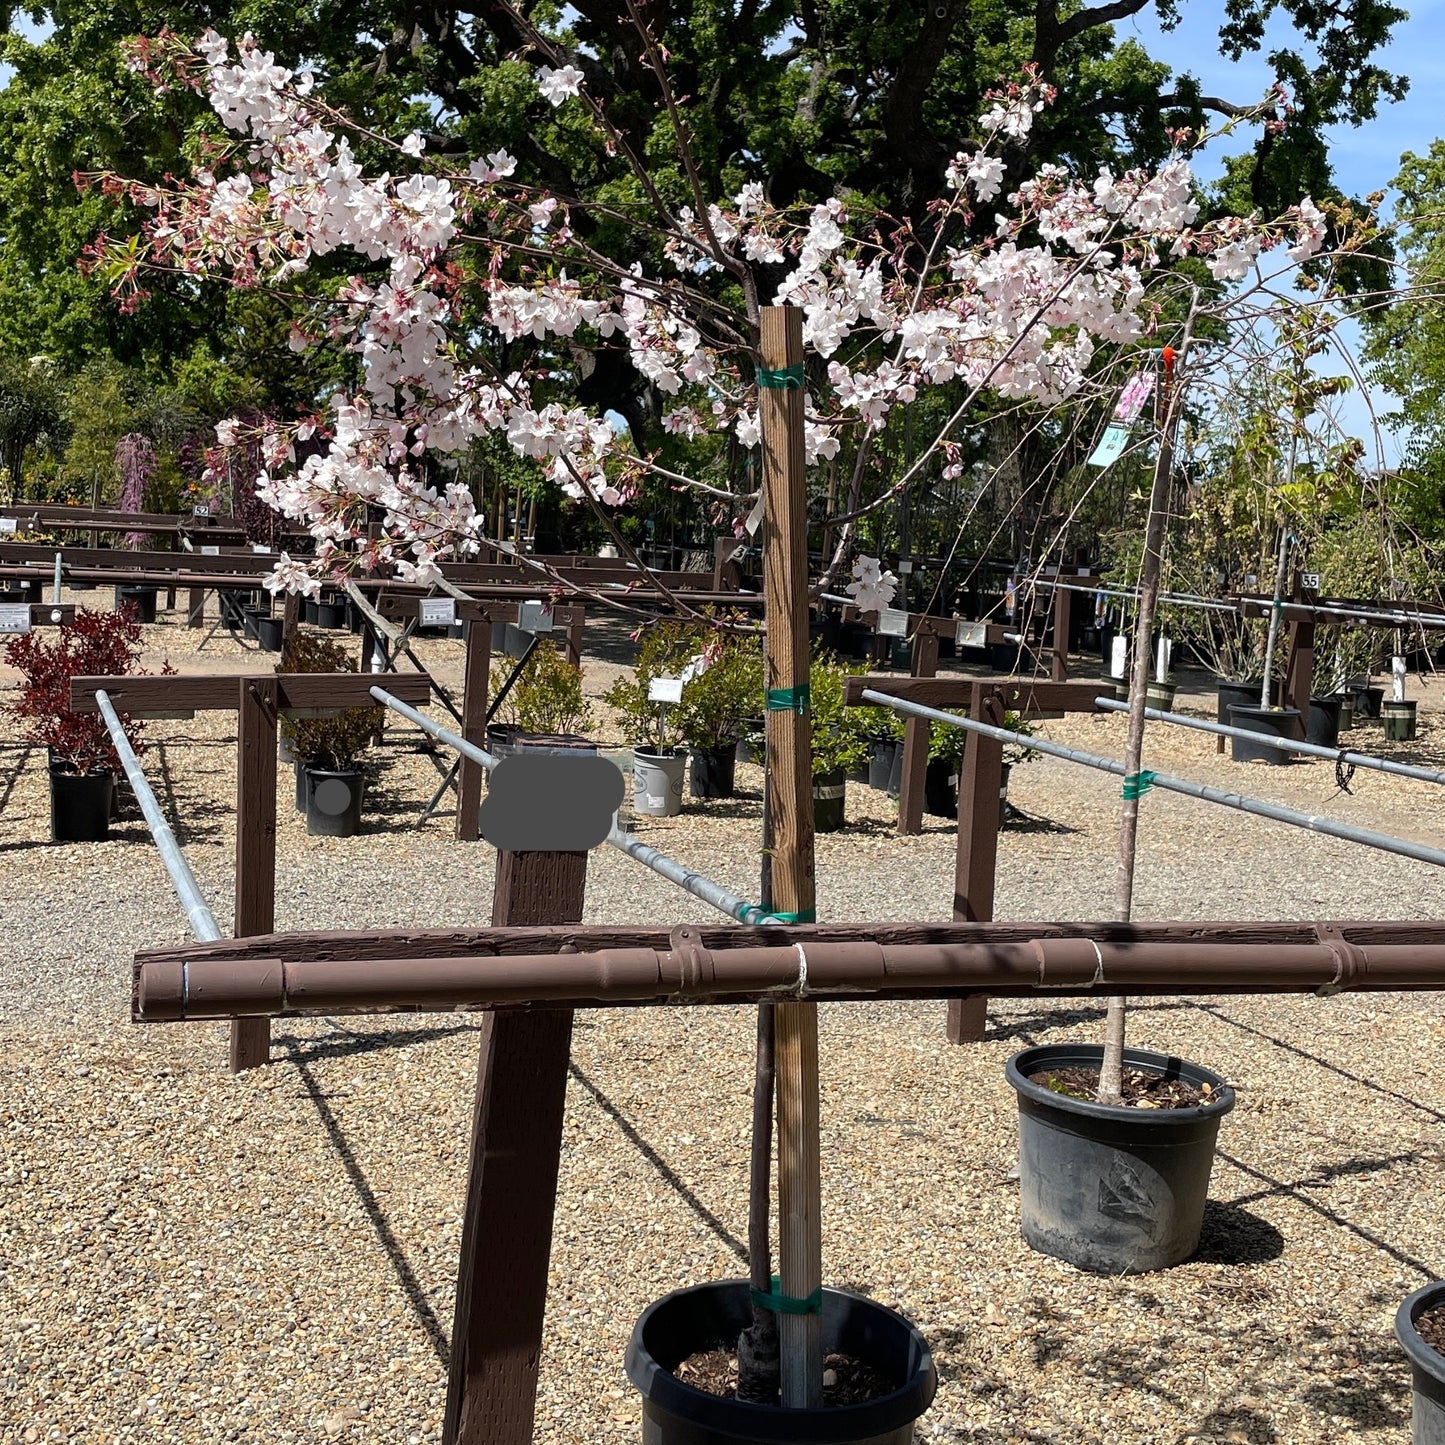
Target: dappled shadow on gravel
[(352, 1043), (1232, 1235)]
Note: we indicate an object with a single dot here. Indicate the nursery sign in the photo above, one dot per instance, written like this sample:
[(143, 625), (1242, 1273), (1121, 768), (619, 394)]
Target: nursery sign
[(438, 611), (892, 622), (1126, 412), (15, 617), (8, 524), (665, 689), (534, 617)]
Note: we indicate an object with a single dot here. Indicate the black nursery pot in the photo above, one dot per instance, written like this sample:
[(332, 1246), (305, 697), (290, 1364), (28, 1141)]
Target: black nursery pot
[(1274, 722), (1427, 1367), (710, 771), (711, 1316), (1369, 701), (80, 806), (1106, 1187), (829, 799), (309, 612), (269, 633), (940, 788), (880, 762), (331, 615), (333, 803), (1237, 694), (1322, 726), (142, 598)]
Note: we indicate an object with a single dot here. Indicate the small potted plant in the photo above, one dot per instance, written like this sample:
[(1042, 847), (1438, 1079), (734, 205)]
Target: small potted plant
[(83, 762), (651, 725), (546, 698), (326, 744), (838, 743), (716, 703)]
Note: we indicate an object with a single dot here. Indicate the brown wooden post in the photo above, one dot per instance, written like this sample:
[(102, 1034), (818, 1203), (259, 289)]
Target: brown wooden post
[(1300, 668), (196, 607), (1059, 663), (790, 823), (512, 1178), (923, 663), (727, 575), (255, 844), (474, 725), (574, 617), (976, 859), (171, 598), (290, 615)]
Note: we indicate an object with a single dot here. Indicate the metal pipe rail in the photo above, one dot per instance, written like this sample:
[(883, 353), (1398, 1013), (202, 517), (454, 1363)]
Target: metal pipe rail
[(1426, 621), (198, 913), (1314, 750), (1173, 599), (697, 884), (1315, 824), (696, 966)]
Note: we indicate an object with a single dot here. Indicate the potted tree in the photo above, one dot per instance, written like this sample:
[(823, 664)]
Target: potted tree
[(82, 759), (326, 744), (546, 698), (650, 723), (717, 702), (838, 743)]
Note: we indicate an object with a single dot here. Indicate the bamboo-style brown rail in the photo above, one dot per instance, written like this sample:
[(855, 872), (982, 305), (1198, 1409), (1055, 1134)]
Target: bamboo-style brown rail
[(603, 967)]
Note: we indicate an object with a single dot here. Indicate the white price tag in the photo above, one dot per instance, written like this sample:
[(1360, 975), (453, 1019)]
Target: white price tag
[(210, 551), (755, 518), (1310, 581), (971, 634), (1083, 571), (893, 622), (201, 509), (534, 617), (15, 617), (9, 524), (257, 547), (665, 689), (438, 611)]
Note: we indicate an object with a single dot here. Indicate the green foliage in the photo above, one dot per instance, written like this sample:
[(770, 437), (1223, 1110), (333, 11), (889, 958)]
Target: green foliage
[(664, 651), (333, 744), (840, 741), (30, 408), (946, 744), (547, 695), (716, 704)]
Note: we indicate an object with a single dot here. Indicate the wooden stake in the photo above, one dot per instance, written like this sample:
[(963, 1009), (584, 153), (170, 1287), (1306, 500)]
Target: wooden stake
[(255, 845), (512, 1179), (923, 662), (1059, 661), (790, 817), (474, 726)]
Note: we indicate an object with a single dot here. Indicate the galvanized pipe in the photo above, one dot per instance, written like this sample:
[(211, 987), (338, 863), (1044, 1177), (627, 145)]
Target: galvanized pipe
[(688, 972), (1315, 824), (203, 923), (1314, 750), (695, 883), (1174, 599)]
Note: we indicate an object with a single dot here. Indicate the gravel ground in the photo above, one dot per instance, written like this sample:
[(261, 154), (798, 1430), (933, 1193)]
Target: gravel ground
[(186, 1256)]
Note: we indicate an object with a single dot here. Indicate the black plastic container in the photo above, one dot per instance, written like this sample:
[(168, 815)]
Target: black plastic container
[(1368, 701), (710, 771), (1400, 721), (881, 752), (80, 806), (268, 633), (1237, 694), (142, 598), (1427, 1367), (1108, 1188), (333, 803), (940, 788), (710, 1316), (1322, 725), (331, 615), (309, 612), (829, 797), (1274, 722), (895, 771)]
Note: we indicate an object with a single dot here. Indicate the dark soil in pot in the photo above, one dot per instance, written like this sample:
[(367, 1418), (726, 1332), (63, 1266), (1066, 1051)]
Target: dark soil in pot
[(708, 1318), (711, 771), (1274, 722), (1420, 1329), (80, 806), (1120, 1190)]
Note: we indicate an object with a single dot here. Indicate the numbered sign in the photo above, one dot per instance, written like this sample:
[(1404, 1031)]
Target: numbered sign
[(438, 611), (15, 617), (201, 509), (1310, 581), (665, 689)]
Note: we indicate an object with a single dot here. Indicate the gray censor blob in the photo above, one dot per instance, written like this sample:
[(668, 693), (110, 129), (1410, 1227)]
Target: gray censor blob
[(551, 802), (332, 796)]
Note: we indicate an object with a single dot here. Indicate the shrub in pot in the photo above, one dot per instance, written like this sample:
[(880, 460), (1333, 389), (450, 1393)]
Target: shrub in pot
[(651, 728), (838, 741), (328, 747), (83, 761), (717, 701)]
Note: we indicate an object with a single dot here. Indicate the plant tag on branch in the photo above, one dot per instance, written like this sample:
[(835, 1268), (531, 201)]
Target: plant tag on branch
[(15, 617), (438, 611), (893, 622), (755, 518), (665, 690)]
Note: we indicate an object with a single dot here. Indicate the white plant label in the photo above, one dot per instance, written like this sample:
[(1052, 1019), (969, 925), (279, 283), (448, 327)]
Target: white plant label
[(1119, 651), (15, 617), (971, 634), (438, 611), (665, 690), (210, 551), (893, 622), (904, 566), (534, 617), (755, 518), (1310, 581), (201, 509), (1397, 678), (257, 547), (9, 524)]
